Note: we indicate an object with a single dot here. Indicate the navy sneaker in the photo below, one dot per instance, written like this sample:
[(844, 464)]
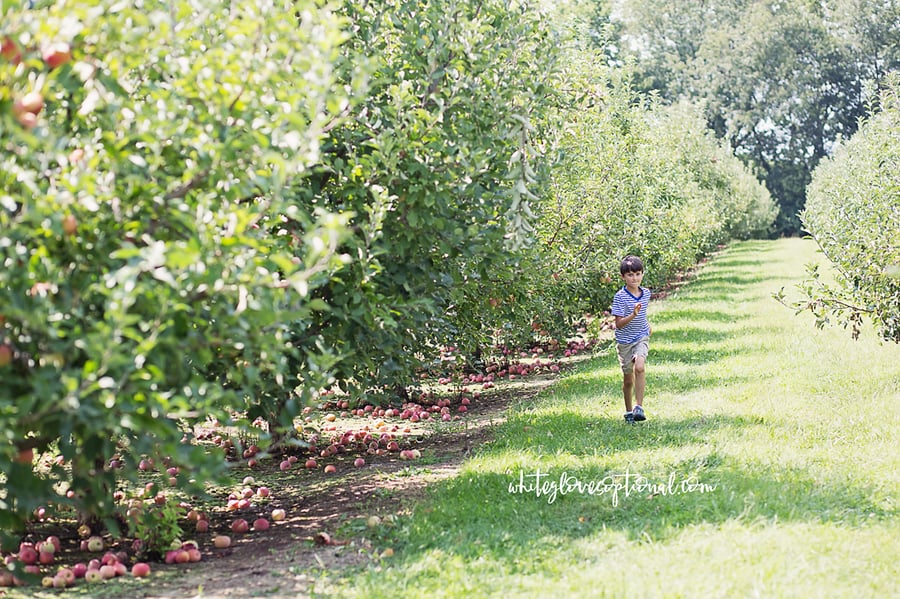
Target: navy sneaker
[(629, 417), (639, 414)]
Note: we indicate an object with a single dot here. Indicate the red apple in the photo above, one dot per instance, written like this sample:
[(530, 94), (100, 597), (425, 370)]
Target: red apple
[(25, 456), (68, 574), (202, 526), (260, 524), (10, 50), (6, 355), (32, 102), (330, 469), (28, 555), (140, 569), (240, 526), (359, 462), (56, 54)]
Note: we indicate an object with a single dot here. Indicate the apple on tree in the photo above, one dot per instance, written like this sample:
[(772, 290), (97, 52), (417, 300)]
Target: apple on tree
[(56, 54), (10, 50), (6, 355)]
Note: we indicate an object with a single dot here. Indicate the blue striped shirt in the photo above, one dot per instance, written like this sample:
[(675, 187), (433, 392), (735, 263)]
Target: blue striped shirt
[(623, 306)]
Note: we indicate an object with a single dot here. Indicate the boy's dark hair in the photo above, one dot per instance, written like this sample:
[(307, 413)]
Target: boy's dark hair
[(631, 264)]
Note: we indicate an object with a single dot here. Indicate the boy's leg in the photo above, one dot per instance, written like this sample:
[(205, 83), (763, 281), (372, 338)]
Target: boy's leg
[(640, 380), (627, 386)]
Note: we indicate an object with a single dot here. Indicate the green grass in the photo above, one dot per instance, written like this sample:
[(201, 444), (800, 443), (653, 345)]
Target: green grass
[(791, 429)]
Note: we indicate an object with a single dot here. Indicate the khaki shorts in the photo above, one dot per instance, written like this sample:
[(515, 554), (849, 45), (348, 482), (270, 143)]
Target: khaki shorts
[(627, 352)]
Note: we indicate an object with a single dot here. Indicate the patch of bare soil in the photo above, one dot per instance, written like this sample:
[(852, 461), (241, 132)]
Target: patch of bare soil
[(283, 561)]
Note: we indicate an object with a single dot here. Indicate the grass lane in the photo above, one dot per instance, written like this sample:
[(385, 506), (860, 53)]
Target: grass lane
[(768, 466)]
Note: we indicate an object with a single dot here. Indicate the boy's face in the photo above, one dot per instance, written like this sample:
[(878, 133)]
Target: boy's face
[(633, 279)]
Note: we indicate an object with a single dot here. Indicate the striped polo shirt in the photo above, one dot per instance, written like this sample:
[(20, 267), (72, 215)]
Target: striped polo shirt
[(623, 305)]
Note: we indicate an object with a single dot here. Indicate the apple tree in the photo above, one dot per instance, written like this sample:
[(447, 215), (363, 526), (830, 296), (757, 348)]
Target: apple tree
[(436, 166), (157, 257), (853, 213)]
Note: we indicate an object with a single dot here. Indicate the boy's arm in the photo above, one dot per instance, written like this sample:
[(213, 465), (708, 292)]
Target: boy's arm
[(623, 321)]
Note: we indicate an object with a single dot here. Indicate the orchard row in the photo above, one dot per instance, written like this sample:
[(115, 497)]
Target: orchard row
[(231, 212)]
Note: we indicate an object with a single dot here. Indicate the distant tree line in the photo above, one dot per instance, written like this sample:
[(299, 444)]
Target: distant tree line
[(781, 81)]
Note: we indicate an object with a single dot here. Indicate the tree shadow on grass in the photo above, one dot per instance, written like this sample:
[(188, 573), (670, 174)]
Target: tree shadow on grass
[(662, 357), (728, 279), (693, 317), (508, 516), (600, 389), (580, 436)]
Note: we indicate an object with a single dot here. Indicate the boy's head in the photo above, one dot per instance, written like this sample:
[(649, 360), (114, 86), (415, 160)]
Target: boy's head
[(631, 264)]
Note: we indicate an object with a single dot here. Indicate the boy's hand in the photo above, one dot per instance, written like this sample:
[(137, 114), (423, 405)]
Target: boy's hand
[(637, 309)]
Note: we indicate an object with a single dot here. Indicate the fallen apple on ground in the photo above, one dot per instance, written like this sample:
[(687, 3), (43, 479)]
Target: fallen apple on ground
[(140, 569), (240, 526), (260, 524), (221, 541)]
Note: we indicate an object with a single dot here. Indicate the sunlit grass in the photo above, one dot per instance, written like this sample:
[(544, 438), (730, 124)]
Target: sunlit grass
[(769, 465)]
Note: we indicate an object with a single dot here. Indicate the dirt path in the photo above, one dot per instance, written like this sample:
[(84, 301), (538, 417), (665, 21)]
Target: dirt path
[(320, 533)]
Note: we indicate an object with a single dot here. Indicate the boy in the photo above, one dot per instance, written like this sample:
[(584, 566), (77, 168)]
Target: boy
[(632, 334)]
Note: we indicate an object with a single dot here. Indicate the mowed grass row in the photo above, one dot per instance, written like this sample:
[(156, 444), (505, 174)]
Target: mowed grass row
[(768, 466)]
